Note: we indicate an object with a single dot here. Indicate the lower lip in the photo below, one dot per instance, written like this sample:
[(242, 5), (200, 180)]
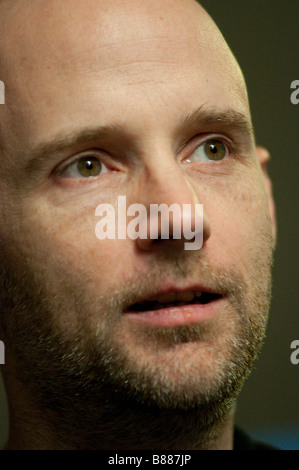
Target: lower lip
[(177, 316)]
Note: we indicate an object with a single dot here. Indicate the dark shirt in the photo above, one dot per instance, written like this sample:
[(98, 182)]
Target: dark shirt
[(243, 442)]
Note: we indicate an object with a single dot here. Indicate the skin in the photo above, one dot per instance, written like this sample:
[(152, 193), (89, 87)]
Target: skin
[(73, 359)]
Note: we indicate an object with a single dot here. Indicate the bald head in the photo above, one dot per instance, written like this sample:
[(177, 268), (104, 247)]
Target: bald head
[(72, 27), (45, 44)]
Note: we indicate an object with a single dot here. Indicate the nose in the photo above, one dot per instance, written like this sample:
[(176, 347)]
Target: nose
[(175, 215)]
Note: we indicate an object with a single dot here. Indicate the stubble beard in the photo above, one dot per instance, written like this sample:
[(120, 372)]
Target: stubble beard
[(97, 392)]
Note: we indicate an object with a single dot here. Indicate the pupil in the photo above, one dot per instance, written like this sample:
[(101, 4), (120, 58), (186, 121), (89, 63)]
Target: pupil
[(89, 165), (213, 148)]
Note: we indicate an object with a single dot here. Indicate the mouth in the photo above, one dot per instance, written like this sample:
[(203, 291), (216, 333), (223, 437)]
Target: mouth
[(175, 308), (174, 299)]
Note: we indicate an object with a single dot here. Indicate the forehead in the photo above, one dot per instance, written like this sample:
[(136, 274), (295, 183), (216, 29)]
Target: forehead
[(77, 33), (59, 57)]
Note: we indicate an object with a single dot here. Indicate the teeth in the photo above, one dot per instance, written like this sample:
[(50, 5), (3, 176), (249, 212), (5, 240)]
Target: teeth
[(184, 296), (166, 298)]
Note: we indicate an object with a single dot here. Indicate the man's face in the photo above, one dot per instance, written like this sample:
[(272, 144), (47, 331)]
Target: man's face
[(138, 90)]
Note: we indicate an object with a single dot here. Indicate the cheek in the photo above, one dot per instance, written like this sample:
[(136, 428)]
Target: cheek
[(240, 225), (73, 253)]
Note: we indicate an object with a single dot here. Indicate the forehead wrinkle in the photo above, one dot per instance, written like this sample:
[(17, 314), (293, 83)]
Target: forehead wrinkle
[(102, 38), (112, 29)]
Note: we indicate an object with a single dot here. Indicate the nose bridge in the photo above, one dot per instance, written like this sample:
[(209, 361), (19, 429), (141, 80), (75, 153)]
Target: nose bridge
[(165, 181)]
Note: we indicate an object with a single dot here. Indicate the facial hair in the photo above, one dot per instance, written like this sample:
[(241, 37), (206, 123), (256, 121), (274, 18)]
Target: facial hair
[(91, 390)]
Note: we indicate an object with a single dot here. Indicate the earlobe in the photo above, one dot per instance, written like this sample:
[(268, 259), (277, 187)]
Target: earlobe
[(264, 158)]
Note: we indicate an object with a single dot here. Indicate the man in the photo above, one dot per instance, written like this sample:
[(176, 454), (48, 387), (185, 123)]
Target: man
[(127, 343)]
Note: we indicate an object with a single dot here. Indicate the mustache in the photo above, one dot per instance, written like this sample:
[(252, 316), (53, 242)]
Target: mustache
[(181, 273)]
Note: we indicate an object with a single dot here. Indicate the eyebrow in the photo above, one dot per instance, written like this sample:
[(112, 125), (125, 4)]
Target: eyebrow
[(226, 119), (201, 119), (39, 155)]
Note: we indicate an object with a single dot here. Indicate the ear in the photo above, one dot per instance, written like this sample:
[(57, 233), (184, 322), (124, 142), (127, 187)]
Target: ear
[(264, 158)]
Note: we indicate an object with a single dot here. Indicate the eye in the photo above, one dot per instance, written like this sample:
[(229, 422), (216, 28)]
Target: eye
[(85, 167), (212, 150)]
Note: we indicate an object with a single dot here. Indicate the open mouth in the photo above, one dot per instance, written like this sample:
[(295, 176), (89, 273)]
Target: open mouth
[(175, 300)]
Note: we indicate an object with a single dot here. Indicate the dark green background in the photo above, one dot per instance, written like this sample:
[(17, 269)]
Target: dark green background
[(263, 35)]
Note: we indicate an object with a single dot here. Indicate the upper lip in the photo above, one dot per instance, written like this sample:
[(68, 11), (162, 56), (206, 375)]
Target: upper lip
[(177, 291)]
